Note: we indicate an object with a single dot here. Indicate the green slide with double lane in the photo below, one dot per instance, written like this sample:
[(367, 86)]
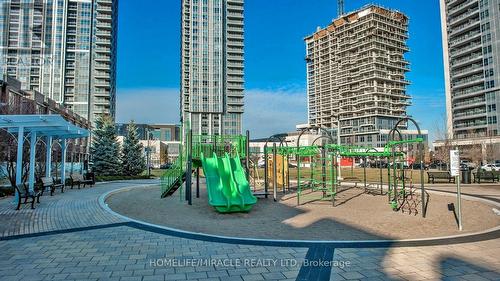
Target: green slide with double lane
[(227, 187)]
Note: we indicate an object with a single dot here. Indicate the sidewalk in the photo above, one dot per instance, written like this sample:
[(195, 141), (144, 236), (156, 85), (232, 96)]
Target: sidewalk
[(70, 237)]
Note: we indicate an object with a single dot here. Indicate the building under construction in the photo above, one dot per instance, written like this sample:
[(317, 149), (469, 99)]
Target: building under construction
[(356, 72)]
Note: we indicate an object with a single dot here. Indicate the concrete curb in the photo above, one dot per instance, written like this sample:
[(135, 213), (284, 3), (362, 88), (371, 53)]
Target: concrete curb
[(491, 233)]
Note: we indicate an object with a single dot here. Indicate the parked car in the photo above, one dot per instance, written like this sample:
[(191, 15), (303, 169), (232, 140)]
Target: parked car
[(464, 166), (363, 165), (398, 165), (416, 166), (468, 163), (438, 165), (490, 167), (166, 166)]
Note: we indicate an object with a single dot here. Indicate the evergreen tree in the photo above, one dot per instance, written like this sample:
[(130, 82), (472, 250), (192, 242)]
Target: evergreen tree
[(133, 162), (105, 148)]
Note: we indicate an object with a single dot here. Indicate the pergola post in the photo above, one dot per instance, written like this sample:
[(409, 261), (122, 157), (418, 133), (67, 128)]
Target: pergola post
[(63, 161), (19, 160), (72, 157), (48, 158), (31, 180)]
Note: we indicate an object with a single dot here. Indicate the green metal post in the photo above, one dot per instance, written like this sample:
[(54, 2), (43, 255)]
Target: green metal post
[(298, 178), (332, 179), (323, 169), (389, 183), (288, 174), (380, 170), (364, 171)]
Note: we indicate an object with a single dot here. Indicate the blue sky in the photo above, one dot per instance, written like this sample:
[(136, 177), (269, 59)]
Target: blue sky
[(275, 84)]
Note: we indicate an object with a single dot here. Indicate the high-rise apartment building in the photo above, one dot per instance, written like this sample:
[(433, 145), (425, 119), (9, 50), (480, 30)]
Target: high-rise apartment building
[(356, 72), (471, 45), (65, 49), (212, 66)]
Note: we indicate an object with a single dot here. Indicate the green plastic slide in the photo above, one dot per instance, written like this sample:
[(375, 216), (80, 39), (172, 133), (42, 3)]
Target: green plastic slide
[(227, 186)]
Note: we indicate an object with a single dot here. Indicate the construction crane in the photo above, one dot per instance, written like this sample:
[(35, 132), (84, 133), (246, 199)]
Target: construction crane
[(340, 8)]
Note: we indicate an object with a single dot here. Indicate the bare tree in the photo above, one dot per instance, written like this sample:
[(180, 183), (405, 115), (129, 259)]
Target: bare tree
[(442, 153), (492, 150), (9, 142), (472, 153)]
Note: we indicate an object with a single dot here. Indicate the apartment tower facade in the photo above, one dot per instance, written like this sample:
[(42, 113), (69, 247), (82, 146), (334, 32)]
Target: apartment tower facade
[(471, 46), (211, 97), (65, 49), (356, 72)]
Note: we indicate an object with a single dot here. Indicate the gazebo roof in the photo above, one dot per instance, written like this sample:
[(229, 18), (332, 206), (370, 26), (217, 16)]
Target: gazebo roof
[(44, 125)]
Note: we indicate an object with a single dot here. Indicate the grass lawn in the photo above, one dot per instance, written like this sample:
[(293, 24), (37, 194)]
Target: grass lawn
[(155, 173), (372, 174)]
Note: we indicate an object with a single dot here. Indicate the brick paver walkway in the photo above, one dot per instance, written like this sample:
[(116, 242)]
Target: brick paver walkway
[(70, 237)]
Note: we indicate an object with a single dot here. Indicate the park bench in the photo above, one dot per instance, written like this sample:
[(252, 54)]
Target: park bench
[(78, 179), (441, 175), (485, 175), (49, 182), (25, 194)]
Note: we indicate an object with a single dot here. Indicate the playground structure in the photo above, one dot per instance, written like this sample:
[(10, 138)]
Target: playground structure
[(323, 162), (229, 190), (220, 159)]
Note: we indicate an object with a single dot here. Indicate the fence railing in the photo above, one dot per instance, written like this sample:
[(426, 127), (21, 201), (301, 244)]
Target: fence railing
[(173, 174), (232, 145)]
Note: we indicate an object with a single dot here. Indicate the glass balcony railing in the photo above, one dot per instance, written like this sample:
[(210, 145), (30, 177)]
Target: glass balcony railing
[(469, 102), (464, 15), (479, 122), (464, 37), (466, 59), (458, 7), (476, 111), (468, 80), (468, 91), (472, 68)]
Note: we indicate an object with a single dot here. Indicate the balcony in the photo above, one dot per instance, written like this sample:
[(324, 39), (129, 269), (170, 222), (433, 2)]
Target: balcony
[(477, 123), (105, 17), (467, 48), (464, 38), (467, 70), (476, 90), (235, 15), (466, 15), (478, 78), (469, 59), (478, 112), (461, 7), (465, 26), (468, 103)]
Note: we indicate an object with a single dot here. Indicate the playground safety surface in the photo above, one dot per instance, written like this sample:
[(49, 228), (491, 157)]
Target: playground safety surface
[(357, 216)]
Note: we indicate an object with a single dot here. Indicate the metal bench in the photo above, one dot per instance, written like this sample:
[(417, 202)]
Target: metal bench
[(78, 179), (485, 175), (49, 182), (441, 175), (24, 193)]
